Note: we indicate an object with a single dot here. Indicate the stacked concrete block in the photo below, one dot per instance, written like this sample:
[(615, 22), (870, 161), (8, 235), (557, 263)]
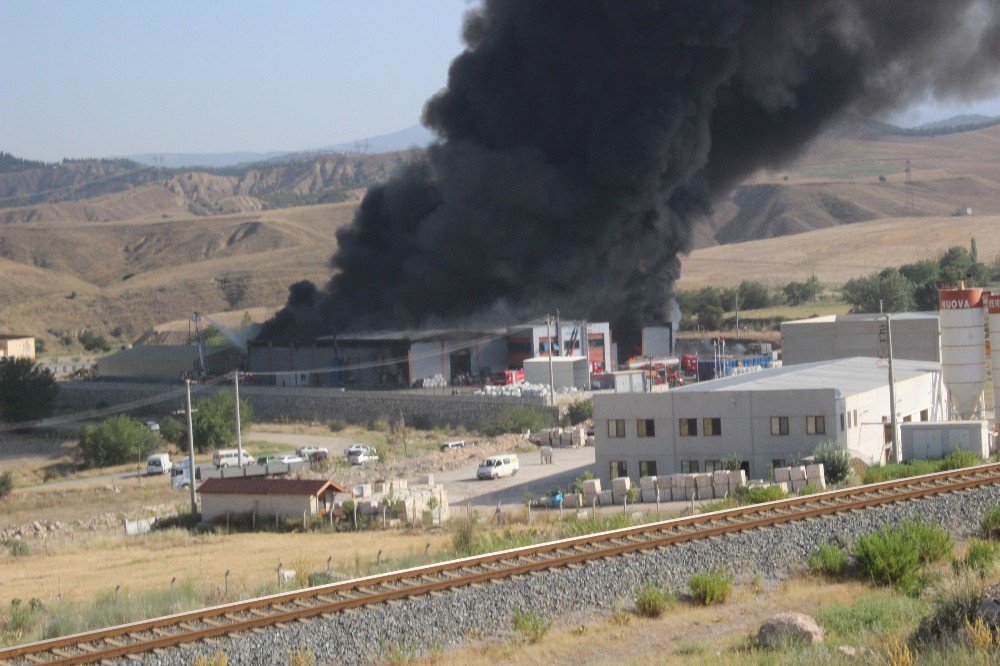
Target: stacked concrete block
[(364, 490), (720, 483), (782, 475), (425, 480), (398, 486), (573, 500), (816, 476), (591, 491), (621, 486), (703, 486), (606, 497), (737, 479), (380, 487)]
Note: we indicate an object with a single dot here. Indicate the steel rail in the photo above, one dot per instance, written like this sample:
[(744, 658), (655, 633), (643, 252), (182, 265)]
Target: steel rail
[(126, 639)]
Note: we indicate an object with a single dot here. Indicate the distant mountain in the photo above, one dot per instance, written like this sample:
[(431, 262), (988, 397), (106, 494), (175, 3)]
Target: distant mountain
[(416, 136), (964, 120)]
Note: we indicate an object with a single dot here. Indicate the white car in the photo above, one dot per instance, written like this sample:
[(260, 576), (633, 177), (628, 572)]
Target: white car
[(309, 449), (153, 426), (360, 457), (355, 449), (289, 458), (457, 444)]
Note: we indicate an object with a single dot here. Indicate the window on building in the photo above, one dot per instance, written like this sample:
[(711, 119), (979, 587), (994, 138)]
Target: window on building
[(689, 467), (714, 465), (616, 427), (646, 428), (815, 425), (618, 469), (841, 422), (712, 427), (887, 432), (855, 412), (925, 415), (778, 462), (688, 427), (907, 418), (779, 425), (647, 468)]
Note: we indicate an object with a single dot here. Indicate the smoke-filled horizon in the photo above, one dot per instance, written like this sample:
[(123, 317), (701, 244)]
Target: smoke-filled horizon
[(581, 142)]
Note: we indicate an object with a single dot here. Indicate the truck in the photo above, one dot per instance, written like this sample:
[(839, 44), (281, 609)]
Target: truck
[(507, 377)]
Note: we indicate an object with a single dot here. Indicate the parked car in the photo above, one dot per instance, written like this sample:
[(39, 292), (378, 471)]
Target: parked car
[(308, 450), (319, 456), (158, 463), (495, 467), (153, 426), (361, 456), (289, 458), (457, 444), (231, 458), (355, 448), (266, 460)]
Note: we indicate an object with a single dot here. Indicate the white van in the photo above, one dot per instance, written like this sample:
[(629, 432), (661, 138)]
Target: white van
[(158, 463), (231, 458), (180, 474), (495, 467)]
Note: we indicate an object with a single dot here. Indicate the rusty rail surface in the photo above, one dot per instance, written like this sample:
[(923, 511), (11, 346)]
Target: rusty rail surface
[(157, 633)]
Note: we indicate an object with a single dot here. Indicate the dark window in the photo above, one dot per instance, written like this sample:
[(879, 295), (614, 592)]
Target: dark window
[(855, 412), (815, 425), (616, 427), (618, 469), (646, 428), (711, 427), (688, 427), (925, 415), (778, 462), (647, 468), (841, 422), (887, 432), (779, 425), (689, 466), (714, 465)]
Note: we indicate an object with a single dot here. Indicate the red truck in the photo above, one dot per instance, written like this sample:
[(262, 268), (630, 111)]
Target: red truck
[(505, 377)]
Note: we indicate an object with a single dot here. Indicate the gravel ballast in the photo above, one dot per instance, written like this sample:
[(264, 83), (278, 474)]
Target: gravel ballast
[(598, 587)]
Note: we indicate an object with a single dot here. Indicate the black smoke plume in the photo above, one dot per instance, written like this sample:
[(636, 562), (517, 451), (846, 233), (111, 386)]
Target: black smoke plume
[(581, 140)]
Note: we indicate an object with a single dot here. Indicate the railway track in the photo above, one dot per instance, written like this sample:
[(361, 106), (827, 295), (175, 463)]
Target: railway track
[(253, 614)]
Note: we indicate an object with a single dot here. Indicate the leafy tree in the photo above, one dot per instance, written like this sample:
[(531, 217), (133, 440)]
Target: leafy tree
[(710, 318), (39, 346), (753, 295), (836, 461), (93, 342), (925, 270), (27, 390), (174, 431), (958, 264), (797, 293), (214, 421), (890, 288), (118, 440), (581, 411)]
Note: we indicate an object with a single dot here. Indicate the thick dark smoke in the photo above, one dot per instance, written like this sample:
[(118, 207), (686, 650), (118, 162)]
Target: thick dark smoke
[(580, 142)]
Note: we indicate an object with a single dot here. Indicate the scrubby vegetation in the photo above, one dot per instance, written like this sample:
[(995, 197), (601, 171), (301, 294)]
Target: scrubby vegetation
[(710, 587), (954, 460), (898, 556), (519, 420), (653, 601), (836, 462), (829, 560)]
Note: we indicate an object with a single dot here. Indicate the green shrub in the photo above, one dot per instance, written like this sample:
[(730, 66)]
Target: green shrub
[(466, 534), (951, 608), (17, 547), (652, 601), (899, 470), (336, 425), (765, 494), (989, 524), (174, 431), (27, 390), (959, 460), (519, 420), (6, 484), (895, 556), (981, 556), (581, 411), (808, 489), (879, 612), (531, 625), (118, 440), (710, 587), (836, 462), (829, 560)]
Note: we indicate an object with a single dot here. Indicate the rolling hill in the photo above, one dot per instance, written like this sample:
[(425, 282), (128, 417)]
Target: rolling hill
[(117, 247)]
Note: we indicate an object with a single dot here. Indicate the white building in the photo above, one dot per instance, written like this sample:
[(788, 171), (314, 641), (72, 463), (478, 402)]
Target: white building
[(915, 336), (771, 417)]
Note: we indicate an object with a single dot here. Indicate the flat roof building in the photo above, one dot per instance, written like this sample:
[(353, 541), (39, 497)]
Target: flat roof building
[(771, 417), (915, 336), (167, 362), (17, 346)]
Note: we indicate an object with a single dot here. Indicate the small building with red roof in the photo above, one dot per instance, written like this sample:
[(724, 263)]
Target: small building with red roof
[(263, 496)]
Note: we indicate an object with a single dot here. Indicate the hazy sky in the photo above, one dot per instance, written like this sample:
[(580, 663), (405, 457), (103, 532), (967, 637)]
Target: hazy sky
[(98, 78)]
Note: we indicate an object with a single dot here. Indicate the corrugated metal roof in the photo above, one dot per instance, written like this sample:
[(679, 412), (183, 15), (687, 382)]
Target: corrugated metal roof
[(164, 352), (847, 375), (863, 317), (269, 486)]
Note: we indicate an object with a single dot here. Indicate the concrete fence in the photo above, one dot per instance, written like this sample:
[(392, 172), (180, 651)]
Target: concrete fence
[(277, 404)]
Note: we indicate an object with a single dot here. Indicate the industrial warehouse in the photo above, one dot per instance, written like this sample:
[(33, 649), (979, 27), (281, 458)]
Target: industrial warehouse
[(777, 416)]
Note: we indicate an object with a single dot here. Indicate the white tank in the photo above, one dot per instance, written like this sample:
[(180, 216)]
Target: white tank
[(963, 349), (993, 309)]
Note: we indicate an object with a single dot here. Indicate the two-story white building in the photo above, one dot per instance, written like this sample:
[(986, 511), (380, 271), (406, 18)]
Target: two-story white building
[(771, 417)]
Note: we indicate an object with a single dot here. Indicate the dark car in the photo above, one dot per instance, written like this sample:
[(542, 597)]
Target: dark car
[(319, 456)]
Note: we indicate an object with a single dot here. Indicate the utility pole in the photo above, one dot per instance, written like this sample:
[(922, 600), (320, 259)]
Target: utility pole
[(194, 500), (239, 428), (552, 379), (896, 453), (737, 314)]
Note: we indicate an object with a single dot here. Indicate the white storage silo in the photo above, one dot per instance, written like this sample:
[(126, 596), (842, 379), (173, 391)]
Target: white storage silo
[(993, 309), (963, 349)]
